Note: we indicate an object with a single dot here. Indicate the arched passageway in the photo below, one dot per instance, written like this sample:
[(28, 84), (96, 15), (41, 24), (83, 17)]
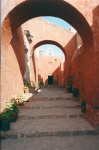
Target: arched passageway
[(49, 65), (19, 15), (50, 42), (49, 8)]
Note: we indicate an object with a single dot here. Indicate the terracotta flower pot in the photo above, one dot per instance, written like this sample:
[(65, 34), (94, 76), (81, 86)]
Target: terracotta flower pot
[(19, 103), (14, 117)]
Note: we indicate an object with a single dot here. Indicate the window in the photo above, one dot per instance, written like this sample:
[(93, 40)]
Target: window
[(50, 63)]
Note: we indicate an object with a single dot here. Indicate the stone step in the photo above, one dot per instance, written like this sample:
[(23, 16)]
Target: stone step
[(28, 117), (53, 86), (50, 113), (49, 127), (52, 98), (51, 104), (53, 93)]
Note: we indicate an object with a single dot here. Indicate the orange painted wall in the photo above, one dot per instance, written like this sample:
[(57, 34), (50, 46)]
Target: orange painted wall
[(50, 65), (13, 67), (48, 32), (84, 65)]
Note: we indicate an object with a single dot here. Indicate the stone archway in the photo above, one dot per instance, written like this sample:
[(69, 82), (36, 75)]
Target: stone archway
[(50, 42), (48, 32), (60, 78), (42, 8), (35, 8)]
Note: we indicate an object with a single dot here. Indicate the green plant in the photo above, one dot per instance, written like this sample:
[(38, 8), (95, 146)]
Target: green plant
[(9, 114), (5, 115), (9, 103), (36, 85), (26, 84), (41, 83), (14, 109), (11, 106), (75, 92), (5, 120)]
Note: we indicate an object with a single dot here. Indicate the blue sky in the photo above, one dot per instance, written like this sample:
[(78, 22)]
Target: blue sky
[(61, 23), (57, 21), (57, 50)]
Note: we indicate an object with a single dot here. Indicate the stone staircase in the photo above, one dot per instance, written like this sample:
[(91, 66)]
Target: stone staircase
[(51, 112)]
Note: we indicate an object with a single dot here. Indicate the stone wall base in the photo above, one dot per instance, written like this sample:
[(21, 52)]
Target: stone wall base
[(92, 115)]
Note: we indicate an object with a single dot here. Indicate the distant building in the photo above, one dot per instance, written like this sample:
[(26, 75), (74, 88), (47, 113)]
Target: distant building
[(50, 70), (50, 52)]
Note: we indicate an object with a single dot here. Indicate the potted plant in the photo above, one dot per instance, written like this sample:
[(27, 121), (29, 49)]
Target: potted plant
[(69, 89), (36, 85), (75, 92), (5, 120), (41, 83), (12, 107), (83, 106), (26, 87), (20, 100), (15, 112)]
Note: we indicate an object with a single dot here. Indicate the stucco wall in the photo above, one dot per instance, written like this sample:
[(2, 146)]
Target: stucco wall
[(90, 57), (84, 6), (43, 30), (12, 68), (50, 65)]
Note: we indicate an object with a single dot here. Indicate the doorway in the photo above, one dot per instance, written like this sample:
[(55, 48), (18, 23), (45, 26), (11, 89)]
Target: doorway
[(50, 80)]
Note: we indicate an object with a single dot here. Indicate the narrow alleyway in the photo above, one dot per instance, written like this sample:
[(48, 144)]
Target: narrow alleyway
[(51, 120)]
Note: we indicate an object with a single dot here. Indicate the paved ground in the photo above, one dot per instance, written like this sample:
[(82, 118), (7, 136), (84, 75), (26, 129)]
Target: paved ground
[(52, 143), (52, 120)]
